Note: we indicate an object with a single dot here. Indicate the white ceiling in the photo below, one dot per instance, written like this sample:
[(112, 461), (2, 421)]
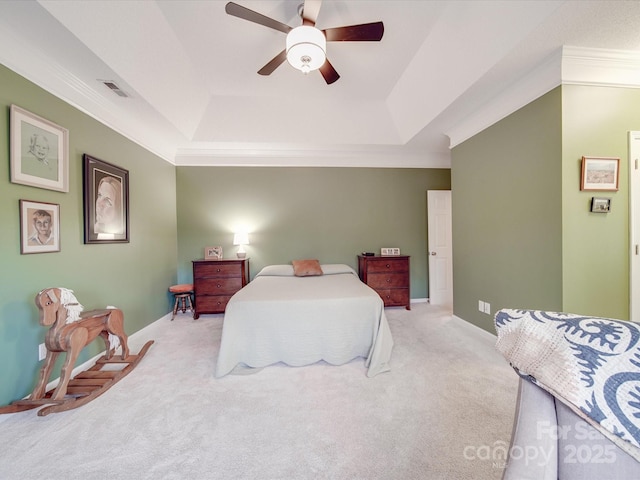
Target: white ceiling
[(443, 71)]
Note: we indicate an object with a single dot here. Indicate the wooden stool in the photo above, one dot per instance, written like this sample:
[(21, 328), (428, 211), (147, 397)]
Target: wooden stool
[(182, 294)]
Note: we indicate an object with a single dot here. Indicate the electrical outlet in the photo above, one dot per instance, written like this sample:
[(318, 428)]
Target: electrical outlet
[(42, 351), (481, 306), (487, 308)]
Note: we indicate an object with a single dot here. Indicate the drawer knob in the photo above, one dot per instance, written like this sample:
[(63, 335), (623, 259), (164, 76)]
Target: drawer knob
[(388, 280), (388, 266), (219, 286), (217, 270)]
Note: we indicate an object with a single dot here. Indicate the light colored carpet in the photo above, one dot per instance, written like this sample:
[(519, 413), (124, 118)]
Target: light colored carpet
[(441, 413)]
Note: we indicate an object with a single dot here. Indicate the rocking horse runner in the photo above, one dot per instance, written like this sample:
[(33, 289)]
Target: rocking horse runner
[(71, 330)]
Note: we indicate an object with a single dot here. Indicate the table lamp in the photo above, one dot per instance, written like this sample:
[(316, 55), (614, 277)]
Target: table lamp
[(241, 239)]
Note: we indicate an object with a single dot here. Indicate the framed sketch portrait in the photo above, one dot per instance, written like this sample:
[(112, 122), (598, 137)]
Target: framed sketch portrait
[(39, 227), (106, 202), (39, 151)]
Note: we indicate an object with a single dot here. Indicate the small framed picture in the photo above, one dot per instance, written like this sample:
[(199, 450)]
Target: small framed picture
[(106, 202), (600, 205), (600, 173), (39, 227), (213, 253), (39, 151), (385, 252)]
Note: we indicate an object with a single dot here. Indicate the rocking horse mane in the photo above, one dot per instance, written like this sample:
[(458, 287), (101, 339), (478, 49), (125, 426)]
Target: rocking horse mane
[(71, 305)]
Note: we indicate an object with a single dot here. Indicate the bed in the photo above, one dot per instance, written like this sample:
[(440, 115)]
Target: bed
[(281, 317)]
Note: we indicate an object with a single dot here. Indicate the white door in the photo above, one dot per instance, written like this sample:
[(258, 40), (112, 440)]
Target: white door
[(440, 249), (634, 209)]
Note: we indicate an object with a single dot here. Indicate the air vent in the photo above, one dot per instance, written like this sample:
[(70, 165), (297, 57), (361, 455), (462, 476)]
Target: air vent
[(115, 88)]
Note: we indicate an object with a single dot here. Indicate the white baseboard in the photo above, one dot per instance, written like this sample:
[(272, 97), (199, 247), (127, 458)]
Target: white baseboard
[(141, 334), (493, 335)]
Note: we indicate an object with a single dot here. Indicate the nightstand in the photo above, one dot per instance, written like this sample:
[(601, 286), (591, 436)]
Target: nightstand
[(215, 282), (389, 276)]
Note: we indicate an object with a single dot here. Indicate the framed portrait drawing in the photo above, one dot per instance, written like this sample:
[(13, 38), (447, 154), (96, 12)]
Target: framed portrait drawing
[(106, 202), (600, 173), (39, 227), (39, 151)]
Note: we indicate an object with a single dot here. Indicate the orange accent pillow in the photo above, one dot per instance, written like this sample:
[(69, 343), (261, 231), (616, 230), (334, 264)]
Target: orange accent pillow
[(306, 268)]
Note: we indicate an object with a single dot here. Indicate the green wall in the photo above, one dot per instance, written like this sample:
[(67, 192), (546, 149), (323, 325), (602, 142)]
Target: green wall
[(132, 276), (523, 234), (331, 214), (596, 122), (507, 214)]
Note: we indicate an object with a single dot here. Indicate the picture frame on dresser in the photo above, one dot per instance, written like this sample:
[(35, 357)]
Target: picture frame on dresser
[(213, 253)]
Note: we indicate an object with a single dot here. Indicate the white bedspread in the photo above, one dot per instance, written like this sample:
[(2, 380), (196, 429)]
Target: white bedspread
[(279, 317)]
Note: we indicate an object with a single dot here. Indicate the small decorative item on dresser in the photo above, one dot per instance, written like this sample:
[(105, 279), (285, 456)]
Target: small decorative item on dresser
[(215, 282), (389, 277), (213, 253), (389, 251)]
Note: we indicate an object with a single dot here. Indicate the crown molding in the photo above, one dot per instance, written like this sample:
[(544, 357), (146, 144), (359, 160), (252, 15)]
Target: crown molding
[(261, 156), (595, 66), (567, 66)]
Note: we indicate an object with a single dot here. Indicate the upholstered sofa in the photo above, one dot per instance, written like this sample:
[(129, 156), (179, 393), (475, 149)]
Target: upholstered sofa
[(578, 405), (550, 442)]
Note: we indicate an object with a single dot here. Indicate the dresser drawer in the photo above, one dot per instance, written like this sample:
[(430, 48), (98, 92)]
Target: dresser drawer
[(395, 296), (219, 270), (387, 280), (387, 265), (212, 303), (219, 286)]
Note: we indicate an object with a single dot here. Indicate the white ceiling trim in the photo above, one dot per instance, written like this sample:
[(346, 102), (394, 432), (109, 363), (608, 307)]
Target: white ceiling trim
[(246, 157), (591, 66), (569, 65)]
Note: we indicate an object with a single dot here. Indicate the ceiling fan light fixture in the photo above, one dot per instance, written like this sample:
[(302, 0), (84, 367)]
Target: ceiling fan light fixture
[(306, 48)]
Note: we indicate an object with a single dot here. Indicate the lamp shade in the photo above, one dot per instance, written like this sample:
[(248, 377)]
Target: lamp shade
[(241, 239), (306, 48)]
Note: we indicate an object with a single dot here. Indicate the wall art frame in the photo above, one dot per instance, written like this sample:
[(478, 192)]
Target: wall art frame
[(39, 227), (39, 151), (106, 202), (600, 173), (213, 253), (600, 205)]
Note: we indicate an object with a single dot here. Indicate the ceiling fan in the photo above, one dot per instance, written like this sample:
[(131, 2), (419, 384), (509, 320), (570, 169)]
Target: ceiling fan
[(306, 45)]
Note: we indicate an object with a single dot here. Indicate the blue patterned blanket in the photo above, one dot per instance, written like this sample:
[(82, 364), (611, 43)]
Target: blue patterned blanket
[(591, 364)]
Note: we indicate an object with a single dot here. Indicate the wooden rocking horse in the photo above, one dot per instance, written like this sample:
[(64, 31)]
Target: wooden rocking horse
[(71, 330)]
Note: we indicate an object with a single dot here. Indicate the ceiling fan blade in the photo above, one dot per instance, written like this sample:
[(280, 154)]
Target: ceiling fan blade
[(274, 63), (328, 72), (255, 17), (310, 10), (366, 32)]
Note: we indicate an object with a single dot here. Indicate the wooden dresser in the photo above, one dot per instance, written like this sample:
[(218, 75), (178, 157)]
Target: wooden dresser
[(389, 276), (215, 281)]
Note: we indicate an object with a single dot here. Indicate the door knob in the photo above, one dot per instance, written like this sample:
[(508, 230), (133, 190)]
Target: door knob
[(433, 253)]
